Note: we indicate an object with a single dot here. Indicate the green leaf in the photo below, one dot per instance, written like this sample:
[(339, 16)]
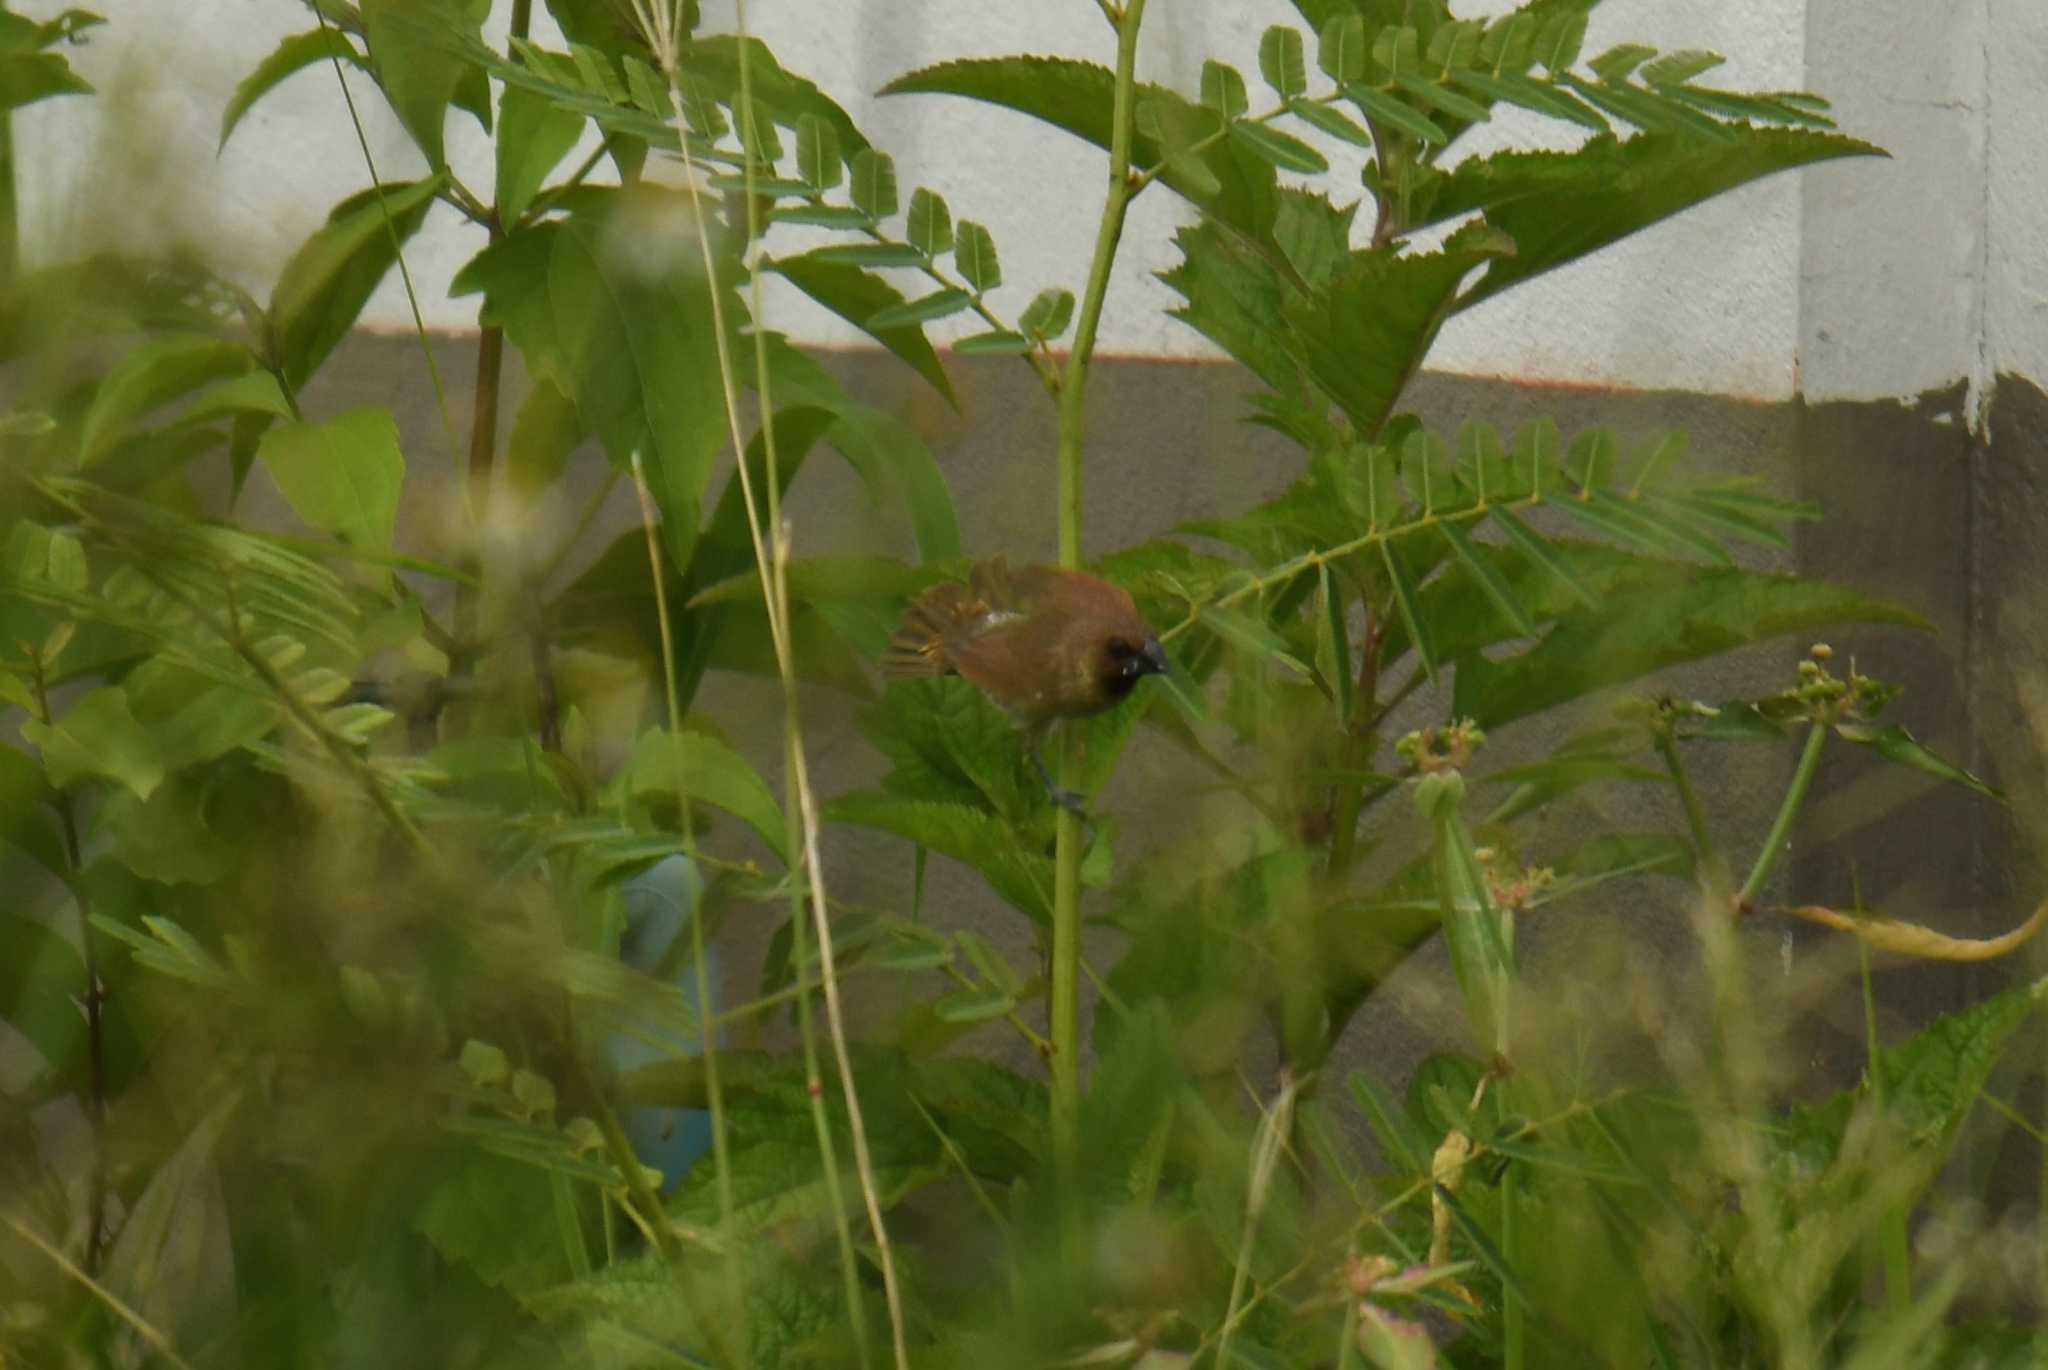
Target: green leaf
[(1443, 98), (166, 838), (293, 55), (703, 768), (1080, 98), (974, 252), (328, 280), (1561, 206), (973, 1006), (996, 343), (894, 463), (972, 836), (1048, 315), (1281, 150), (1612, 66), (1333, 646), (1482, 573), (418, 70), (254, 392), (1539, 551), (1282, 62), (858, 296), (874, 183), (1397, 115), (1489, 1254), (342, 476), (637, 353), (149, 375), (1561, 37), (1332, 121), (1683, 612), (534, 135), (1362, 338), (817, 153), (1223, 89), (820, 216), (1252, 637), (98, 736), (1896, 745), (1407, 600), (1677, 68), (926, 308), (545, 431), (867, 254), (1341, 50), (929, 225), (1533, 96)]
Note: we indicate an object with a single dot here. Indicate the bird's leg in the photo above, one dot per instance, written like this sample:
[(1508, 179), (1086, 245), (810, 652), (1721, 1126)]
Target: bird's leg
[(1062, 798)]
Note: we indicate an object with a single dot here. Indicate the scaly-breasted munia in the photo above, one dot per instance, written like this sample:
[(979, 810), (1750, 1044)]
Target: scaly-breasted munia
[(1042, 643)]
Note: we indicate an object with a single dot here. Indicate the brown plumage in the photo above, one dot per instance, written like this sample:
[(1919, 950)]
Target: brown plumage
[(1041, 642)]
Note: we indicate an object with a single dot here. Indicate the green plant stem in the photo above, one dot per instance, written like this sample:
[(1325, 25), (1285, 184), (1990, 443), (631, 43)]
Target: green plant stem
[(1359, 745), (1781, 827), (142, 1327), (1711, 865), (1065, 1027)]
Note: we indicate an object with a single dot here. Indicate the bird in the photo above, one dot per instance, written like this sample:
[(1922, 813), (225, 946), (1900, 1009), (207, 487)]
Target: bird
[(1043, 643)]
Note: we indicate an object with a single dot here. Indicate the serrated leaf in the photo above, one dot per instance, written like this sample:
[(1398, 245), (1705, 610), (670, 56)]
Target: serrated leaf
[(1280, 150), (1282, 61), (1048, 315), (873, 187), (293, 55), (1397, 115), (1341, 48), (926, 308), (974, 252), (929, 226), (1223, 89)]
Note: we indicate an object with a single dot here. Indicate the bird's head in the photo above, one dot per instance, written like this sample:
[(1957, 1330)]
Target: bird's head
[(1127, 657)]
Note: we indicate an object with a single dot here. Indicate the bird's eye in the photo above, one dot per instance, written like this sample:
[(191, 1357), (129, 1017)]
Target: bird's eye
[(1120, 650)]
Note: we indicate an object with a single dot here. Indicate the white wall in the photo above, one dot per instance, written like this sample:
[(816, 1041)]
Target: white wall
[(1861, 278)]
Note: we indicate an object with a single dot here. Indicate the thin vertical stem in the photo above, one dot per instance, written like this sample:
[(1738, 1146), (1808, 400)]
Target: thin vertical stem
[(1781, 827), (1065, 1027)]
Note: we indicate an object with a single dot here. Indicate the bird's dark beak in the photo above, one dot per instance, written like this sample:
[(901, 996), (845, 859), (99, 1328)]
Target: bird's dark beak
[(1152, 658)]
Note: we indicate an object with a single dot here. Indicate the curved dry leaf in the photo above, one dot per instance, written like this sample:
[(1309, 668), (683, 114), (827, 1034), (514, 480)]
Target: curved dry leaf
[(1911, 939)]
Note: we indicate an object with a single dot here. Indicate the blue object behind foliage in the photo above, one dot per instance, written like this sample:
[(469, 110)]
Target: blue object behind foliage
[(659, 902)]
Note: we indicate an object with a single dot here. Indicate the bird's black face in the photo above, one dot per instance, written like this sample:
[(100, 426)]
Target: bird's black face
[(1130, 660)]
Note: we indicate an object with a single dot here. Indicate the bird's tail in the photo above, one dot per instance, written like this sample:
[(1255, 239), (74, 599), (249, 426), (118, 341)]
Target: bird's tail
[(919, 646)]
